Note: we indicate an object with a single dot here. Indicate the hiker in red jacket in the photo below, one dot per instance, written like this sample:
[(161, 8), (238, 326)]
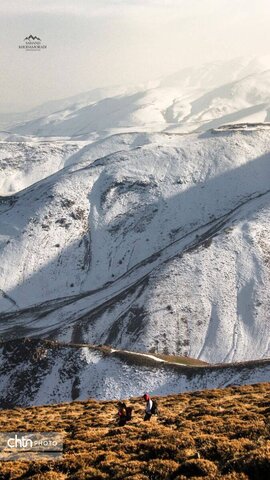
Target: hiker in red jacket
[(148, 408)]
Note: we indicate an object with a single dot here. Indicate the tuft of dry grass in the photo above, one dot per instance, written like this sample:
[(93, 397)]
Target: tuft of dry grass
[(212, 434), (180, 359)]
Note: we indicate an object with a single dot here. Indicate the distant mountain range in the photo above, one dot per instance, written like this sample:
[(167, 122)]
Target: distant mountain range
[(193, 99)]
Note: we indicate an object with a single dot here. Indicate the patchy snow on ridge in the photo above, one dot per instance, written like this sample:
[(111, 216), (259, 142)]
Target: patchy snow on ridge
[(64, 373), (23, 163)]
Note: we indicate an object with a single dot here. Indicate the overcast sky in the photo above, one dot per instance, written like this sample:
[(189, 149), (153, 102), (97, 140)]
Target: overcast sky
[(92, 43)]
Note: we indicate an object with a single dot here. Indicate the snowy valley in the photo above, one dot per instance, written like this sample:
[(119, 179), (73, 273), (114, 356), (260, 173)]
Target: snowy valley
[(141, 222)]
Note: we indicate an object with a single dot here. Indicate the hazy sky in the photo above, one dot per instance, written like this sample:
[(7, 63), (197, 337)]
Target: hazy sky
[(92, 43)]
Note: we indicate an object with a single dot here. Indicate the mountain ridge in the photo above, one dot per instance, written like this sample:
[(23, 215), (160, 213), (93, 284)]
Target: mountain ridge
[(119, 226), (102, 265), (46, 372), (192, 99)]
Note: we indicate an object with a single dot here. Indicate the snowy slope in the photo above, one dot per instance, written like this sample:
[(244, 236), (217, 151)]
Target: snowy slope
[(38, 373), (192, 99), (24, 163), (162, 245), (9, 120)]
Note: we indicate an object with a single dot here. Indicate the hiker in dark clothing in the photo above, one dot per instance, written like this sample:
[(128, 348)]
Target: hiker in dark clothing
[(124, 414)]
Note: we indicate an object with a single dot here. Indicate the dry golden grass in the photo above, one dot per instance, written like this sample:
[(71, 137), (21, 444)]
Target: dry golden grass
[(181, 360), (212, 434)]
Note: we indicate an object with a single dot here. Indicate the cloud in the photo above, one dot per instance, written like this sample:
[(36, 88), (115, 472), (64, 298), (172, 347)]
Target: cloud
[(101, 8), (29, 7), (103, 42), (113, 8), (94, 8)]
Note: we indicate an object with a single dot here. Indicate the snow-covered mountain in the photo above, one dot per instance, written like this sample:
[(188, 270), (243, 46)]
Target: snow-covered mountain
[(116, 228), (192, 99), (23, 163), (37, 373), (162, 245), (9, 120)]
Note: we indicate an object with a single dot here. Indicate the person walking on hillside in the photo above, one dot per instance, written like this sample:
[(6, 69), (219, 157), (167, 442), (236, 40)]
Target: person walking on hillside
[(124, 414), (148, 408)]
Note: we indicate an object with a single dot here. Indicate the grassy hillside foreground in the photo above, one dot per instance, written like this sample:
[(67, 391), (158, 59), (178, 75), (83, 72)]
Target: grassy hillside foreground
[(213, 434)]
